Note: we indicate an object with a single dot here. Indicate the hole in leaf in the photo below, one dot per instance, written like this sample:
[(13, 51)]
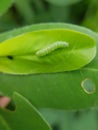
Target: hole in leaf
[(10, 57), (4, 101), (88, 86), (7, 103), (11, 106)]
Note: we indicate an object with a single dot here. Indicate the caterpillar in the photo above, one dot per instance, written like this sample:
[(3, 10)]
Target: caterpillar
[(50, 48)]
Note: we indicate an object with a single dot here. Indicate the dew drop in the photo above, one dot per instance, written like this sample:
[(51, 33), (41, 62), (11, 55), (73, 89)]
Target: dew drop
[(88, 86)]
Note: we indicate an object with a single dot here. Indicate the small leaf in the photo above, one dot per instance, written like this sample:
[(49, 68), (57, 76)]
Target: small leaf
[(4, 5), (46, 51), (25, 116)]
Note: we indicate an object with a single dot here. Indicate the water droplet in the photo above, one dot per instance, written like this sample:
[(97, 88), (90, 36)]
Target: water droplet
[(88, 86)]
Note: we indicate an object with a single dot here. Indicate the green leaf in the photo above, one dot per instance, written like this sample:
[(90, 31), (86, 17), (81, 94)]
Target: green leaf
[(55, 90), (63, 2), (87, 121), (3, 124), (80, 120), (4, 5), (46, 51), (25, 116)]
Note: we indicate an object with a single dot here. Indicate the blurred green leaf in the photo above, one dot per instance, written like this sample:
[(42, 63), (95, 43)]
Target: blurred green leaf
[(25, 10), (91, 17), (58, 90), (4, 5), (86, 121), (59, 118), (24, 117), (63, 2), (79, 120)]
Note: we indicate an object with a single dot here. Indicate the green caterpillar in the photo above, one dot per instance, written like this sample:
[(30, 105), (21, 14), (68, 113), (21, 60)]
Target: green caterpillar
[(47, 50)]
